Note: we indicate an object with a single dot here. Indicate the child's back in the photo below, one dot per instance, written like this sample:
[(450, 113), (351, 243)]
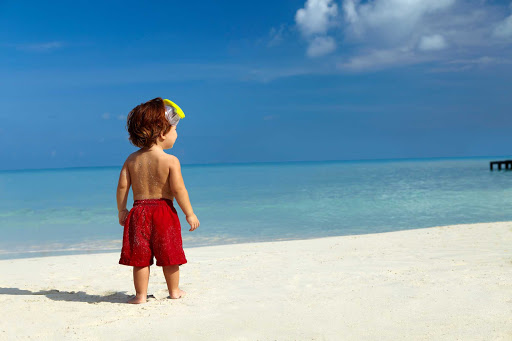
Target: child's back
[(150, 174)]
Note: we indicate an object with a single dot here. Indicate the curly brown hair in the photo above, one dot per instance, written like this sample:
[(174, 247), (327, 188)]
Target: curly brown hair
[(146, 121)]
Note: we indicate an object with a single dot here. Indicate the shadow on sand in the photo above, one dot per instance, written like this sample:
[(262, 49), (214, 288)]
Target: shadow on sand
[(72, 296)]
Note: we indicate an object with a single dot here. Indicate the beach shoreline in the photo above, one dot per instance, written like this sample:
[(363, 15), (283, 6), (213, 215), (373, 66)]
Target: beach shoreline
[(90, 248), (445, 282)]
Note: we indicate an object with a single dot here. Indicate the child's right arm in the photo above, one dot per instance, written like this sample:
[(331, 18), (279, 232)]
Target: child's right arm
[(123, 187), (180, 192)]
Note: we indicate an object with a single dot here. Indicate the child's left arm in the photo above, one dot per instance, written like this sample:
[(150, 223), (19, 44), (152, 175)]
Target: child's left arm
[(123, 188)]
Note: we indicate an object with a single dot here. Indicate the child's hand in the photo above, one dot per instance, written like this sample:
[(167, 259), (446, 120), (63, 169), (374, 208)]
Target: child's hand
[(122, 216), (193, 221)]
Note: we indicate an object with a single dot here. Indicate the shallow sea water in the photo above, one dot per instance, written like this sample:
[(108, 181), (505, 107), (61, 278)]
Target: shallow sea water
[(65, 211)]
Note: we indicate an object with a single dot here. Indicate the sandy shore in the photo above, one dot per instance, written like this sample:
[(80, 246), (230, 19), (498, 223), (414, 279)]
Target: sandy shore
[(439, 283)]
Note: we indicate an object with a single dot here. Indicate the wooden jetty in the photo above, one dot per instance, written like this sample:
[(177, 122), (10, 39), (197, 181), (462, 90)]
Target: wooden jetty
[(507, 163)]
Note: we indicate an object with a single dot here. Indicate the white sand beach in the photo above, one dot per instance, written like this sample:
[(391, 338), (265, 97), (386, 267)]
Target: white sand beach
[(439, 283)]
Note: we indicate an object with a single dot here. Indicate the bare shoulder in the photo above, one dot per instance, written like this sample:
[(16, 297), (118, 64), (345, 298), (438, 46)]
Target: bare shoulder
[(131, 157), (172, 160)]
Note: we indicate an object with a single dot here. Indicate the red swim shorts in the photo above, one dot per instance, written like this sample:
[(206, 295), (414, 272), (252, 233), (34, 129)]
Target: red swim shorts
[(152, 228)]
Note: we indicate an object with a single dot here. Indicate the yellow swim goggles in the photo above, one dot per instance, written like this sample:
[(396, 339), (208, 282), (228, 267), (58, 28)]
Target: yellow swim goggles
[(173, 112)]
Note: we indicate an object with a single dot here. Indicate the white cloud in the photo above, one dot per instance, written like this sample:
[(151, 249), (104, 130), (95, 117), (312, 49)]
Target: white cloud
[(349, 8), (377, 33), (432, 43), (504, 28), (316, 16), (382, 12), (314, 20), (121, 117), (105, 116), (321, 46), (390, 21)]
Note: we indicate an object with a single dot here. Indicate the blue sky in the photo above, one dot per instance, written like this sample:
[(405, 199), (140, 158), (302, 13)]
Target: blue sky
[(258, 81)]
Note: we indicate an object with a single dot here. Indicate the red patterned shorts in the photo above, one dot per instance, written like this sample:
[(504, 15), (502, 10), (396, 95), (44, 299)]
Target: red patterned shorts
[(152, 228)]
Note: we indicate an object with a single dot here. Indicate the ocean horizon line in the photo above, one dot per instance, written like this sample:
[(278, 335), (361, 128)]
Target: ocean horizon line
[(253, 163)]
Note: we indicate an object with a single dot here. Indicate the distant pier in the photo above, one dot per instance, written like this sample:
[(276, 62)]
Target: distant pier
[(507, 163)]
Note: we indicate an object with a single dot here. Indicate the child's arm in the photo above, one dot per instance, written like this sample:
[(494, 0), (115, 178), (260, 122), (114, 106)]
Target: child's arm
[(123, 188), (180, 192)]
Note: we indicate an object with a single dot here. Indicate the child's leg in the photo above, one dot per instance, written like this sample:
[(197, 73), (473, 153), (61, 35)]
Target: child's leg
[(140, 280), (172, 277)]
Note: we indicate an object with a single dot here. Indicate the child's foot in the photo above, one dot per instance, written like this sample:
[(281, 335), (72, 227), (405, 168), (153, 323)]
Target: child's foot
[(137, 300), (178, 294)]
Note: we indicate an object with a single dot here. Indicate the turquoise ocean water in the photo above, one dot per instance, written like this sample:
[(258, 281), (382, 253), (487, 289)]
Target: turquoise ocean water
[(51, 212)]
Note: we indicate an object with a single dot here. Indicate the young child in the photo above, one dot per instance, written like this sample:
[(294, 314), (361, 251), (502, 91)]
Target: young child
[(152, 227)]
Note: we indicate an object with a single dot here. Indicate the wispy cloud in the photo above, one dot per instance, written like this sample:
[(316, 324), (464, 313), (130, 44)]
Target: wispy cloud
[(276, 35), (432, 43), (504, 28), (459, 65), (156, 72), (380, 58), (265, 74), (485, 60), (39, 47)]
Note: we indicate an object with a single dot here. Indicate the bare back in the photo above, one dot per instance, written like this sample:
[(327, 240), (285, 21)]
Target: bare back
[(149, 175)]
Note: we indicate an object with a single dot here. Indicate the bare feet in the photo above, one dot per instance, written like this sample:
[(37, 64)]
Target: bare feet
[(137, 300), (178, 294)]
